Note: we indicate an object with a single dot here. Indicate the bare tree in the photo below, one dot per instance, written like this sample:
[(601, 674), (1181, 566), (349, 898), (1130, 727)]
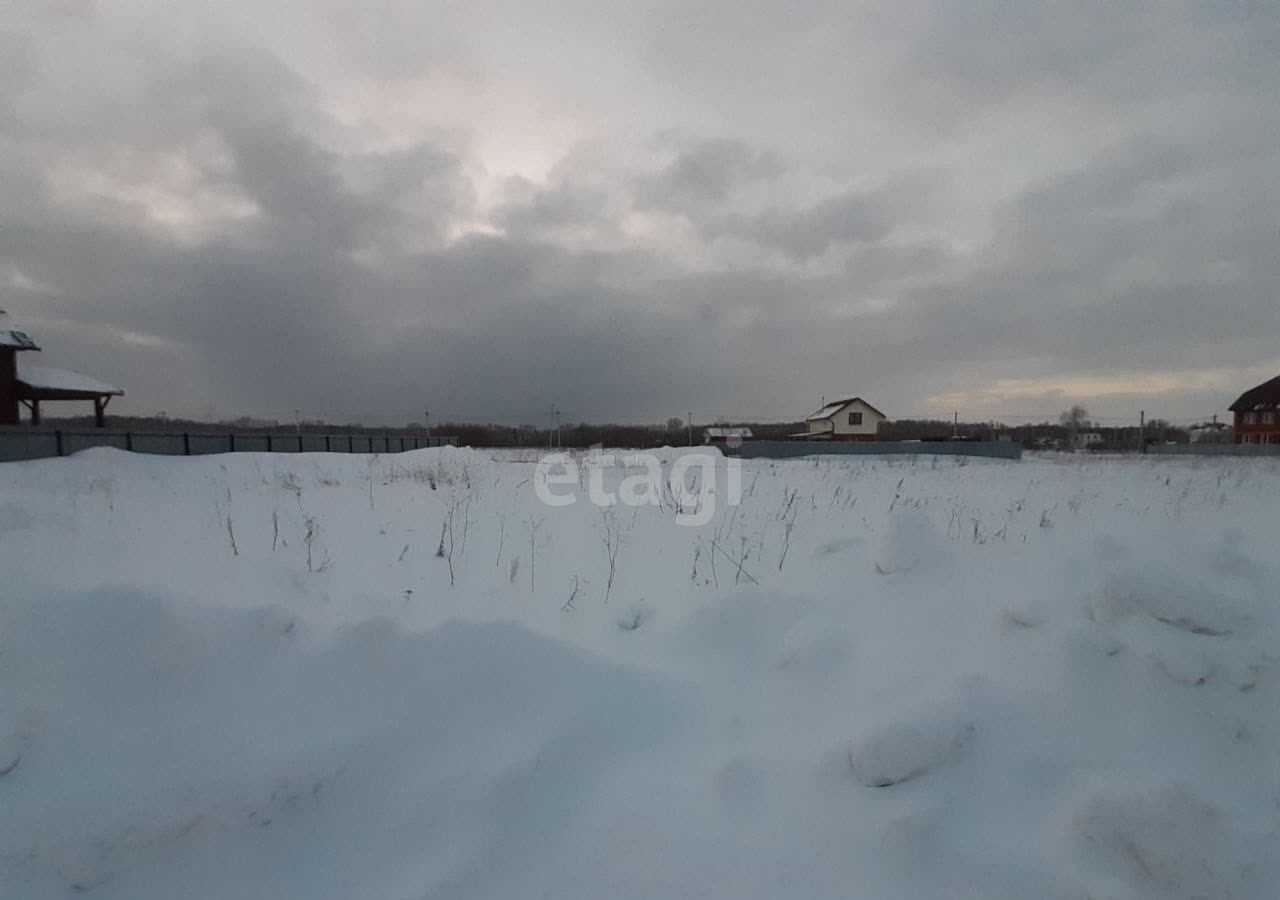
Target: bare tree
[(1075, 420)]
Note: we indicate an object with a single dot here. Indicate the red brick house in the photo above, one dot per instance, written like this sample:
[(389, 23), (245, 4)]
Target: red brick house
[(1258, 414)]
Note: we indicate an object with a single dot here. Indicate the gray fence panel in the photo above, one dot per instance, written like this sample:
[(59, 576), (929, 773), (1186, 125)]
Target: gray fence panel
[(164, 444), (75, 441), (35, 443), (1214, 449), (202, 444), (793, 449), (251, 443), (25, 444)]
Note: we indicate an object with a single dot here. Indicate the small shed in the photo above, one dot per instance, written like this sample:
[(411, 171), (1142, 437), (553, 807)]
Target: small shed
[(23, 385), (37, 383), (721, 435)]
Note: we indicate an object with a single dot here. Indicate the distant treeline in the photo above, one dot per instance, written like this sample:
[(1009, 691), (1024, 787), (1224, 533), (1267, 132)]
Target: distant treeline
[(1030, 436), (674, 432)]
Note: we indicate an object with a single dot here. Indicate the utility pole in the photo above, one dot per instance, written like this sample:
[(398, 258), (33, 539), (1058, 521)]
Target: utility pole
[(426, 423), (297, 420), (955, 425), (689, 422), (1142, 428)]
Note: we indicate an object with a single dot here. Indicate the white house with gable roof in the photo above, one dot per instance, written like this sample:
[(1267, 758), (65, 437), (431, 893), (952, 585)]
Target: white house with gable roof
[(853, 419)]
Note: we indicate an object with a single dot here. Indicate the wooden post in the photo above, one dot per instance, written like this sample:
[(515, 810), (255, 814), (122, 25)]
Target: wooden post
[(57, 438), (35, 412), (231, 442), (268, 442), (99, 413), (186, 444)]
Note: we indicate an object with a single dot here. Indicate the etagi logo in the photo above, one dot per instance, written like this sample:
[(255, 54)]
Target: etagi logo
[(687, 484)]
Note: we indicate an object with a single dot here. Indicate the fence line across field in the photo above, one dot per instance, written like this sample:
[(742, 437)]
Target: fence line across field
[(793, 449), (36, 443)]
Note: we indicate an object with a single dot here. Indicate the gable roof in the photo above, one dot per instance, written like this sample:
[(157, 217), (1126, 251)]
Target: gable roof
[(14, 340), (832, 408), (1264, 396)]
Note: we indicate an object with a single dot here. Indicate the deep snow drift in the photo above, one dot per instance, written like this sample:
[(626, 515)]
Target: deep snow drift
[(253, 676)]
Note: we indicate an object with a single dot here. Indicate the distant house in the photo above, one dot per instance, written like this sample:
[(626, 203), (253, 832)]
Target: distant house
[(23, 385), (1087, 440), (1214, 432), (853, 419), (721, 435), (1256, 413)]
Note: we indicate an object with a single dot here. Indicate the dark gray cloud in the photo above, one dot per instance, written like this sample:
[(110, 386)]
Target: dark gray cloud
[(726, 210), (706, 172)]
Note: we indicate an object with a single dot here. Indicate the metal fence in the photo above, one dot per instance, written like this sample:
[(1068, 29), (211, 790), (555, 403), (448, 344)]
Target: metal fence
[(38, 443), (1214, 449), (792, 449)]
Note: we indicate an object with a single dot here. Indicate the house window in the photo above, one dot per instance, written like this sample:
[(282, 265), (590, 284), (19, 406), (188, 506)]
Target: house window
[(1268, 418), (855, 418), (1250, 418)]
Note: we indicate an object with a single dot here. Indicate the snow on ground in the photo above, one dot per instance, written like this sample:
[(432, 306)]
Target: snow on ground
[(252, 676)]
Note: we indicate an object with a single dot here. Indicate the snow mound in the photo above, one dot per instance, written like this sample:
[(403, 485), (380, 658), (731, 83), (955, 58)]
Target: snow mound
[(158, 743), (906, 750)]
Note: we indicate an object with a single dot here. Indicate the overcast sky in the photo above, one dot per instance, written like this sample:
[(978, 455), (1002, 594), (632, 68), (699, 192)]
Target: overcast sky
[(636, 210)]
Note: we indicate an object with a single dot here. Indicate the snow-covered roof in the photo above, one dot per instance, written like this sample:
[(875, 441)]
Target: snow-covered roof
[(720, 431), (827, 411), (16, 340), (832, 408), (44, 378), (1264, 396)]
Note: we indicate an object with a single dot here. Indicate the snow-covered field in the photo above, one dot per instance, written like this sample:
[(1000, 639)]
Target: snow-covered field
[(252, 676)]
